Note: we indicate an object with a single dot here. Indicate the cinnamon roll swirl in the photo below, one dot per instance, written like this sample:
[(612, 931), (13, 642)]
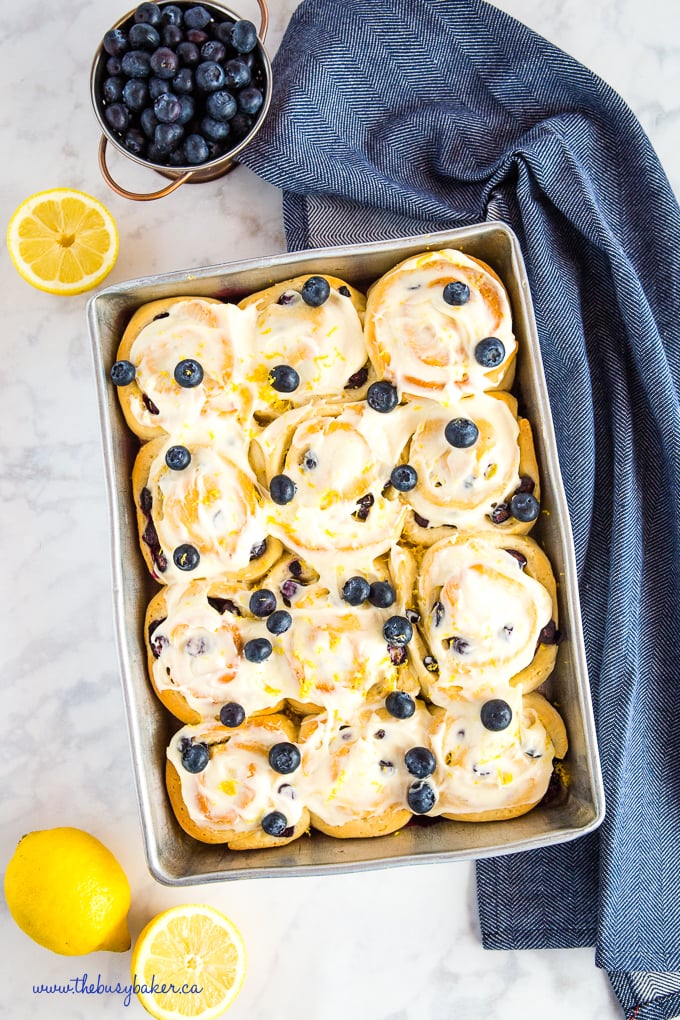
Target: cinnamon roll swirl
[(470, 460), (237, 786), (488, 615), (314, 327), (185, 357), (495, 754), (197, 638), (355, 780), (439, 324), (335, 462), (202, 516)]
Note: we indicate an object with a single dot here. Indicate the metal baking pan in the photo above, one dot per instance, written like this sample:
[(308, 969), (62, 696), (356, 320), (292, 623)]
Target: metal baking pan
[(174, 858)]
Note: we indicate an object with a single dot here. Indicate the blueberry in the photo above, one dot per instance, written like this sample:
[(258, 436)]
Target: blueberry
[(115, 42), (232, 714), (171, 36), (262, 602), (461, 433), (183, 82), (279, 622), (221, 105), (400, 704), (186, 557), (284, 758), (112, 89), (195, 149), (397, 630), (159, 86), (284, 378), (136, 64), (282, 489), (309, 461), (171, 14), (420, 762), (167, 108), (496, 714), (164, 62), (456, 293), (257, 649), (356, 590), (117, 116), (186, 105), (275, 823), (250, 100), (404, 478), (489, 352), (524, 507), (178, 458), (240, 125), (188, 373), (148, 121), (188, 53), (195, 757), (135, 142), (136, 94), (122, 373), (244, 36), (148, 13), (421, 797), (196, 17), (381, 594), (210, 76), (315, 291), (113, 66), (213, 49), (215, 130), (143, 36), (382, 397)]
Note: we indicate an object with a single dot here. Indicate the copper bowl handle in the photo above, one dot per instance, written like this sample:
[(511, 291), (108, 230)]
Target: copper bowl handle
[(264, 18), (135, 195)]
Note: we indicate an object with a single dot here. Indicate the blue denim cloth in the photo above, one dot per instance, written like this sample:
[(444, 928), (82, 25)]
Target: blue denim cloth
[(401, 116)]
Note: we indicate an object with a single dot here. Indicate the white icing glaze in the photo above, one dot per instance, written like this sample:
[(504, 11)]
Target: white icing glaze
[(325, 345), (481, 613), (426, 346), (482, 770), (460, 486), (238, 787), (212, 504), (356, 769), (213, 334), (200, 654), (336, 458), (330, 657)]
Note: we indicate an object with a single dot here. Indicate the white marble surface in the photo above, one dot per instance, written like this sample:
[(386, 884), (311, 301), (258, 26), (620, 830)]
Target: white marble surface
[(400, 944)]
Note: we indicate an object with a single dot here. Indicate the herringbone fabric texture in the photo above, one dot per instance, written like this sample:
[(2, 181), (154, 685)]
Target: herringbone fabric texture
[(396, 117)]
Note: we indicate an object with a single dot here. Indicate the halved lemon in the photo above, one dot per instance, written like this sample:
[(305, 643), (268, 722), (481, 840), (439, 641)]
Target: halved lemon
[(62, 241), (189, 961)]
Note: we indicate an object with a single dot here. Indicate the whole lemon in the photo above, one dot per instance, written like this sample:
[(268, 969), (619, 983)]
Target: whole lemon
[(68, 892)]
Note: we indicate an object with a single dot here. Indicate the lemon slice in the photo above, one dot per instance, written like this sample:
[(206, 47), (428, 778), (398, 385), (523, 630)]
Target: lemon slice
[(62, 241), (189, 961)]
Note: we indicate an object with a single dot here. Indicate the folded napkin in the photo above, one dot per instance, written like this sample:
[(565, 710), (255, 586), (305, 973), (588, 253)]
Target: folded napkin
[(404, 116)]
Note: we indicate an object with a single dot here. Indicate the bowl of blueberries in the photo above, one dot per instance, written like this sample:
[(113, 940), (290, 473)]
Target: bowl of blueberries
[(180, 88)]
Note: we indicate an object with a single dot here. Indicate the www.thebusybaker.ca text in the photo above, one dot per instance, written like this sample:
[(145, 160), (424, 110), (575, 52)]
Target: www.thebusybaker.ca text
[(83, 985)]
